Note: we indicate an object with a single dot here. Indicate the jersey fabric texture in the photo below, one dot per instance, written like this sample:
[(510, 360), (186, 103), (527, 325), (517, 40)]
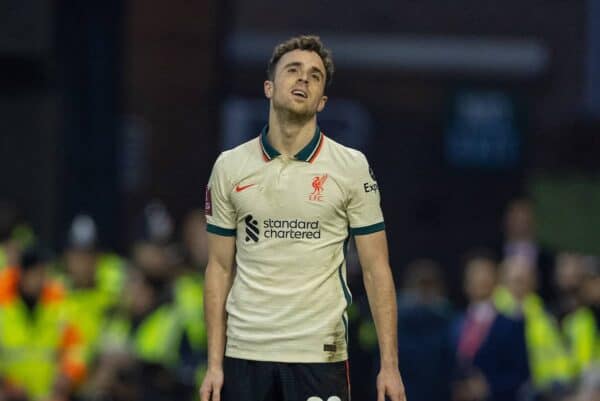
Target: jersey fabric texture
[(292, 218)]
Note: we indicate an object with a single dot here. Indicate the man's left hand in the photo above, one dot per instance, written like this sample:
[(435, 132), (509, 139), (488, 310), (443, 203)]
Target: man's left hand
[(390, 383)]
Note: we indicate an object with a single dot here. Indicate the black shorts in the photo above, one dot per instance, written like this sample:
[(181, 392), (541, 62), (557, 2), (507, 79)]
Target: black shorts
[(277, 381)]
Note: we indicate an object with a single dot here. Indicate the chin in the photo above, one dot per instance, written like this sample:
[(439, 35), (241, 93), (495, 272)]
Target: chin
[(296, 111)]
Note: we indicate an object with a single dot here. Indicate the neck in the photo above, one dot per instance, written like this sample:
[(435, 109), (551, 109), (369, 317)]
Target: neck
[(290, 135)]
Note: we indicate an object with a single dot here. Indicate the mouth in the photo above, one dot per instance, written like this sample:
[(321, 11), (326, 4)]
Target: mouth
[(300, 93)]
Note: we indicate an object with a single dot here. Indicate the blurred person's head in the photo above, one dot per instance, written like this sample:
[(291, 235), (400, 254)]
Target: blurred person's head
[(519, 221), (116, 377), (142, 294), (519, 276), (80, 252), (589, 291), (151, 249), (568, 271), (424, 278), (195, 239), (35, 261), (300, 64), (480, 276), (9, 220)]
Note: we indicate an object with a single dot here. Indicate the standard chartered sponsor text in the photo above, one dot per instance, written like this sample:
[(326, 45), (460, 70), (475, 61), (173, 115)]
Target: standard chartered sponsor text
[(292, 229)]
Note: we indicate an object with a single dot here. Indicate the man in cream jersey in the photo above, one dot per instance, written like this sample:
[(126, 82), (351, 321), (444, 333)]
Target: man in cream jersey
[(281, 208)]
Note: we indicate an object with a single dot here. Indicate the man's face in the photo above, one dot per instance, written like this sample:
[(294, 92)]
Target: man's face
[(152, 259), (569, 271), (480, 279), (33, 279), (519, 221), (298, 84), (81, 266), (519, 276), (139, 295)]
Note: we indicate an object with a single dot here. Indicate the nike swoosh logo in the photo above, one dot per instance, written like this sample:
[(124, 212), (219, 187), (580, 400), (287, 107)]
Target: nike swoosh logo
[(239, 188)]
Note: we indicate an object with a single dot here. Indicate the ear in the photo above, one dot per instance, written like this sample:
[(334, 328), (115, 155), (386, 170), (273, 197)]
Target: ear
[(268, 88), (321, 104)]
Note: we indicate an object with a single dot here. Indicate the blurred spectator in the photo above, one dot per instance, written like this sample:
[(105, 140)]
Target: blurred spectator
[(424, 315), (146, 324), (40, 350), (86, 265), (121, 376), (520, 240), (152, 249), (116, 378), (195, 240), (148, 329), (94, 280), (568, 273), (581, 326), (14, 235), (189, 298), (490, 348), (548, 360), (363, 353)]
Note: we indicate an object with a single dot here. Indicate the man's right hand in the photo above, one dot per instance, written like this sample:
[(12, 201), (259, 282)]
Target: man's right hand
[(210, 390)]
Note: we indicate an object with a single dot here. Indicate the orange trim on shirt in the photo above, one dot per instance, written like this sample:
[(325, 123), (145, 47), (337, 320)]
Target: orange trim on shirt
[(262, 150), (318, 149)]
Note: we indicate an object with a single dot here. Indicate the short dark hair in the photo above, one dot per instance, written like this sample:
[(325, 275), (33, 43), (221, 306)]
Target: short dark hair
[(302, 42)]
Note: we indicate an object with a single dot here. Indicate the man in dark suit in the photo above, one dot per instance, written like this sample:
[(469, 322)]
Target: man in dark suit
[(520, 239), (491, 355)]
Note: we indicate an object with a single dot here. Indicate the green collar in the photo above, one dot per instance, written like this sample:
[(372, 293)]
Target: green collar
[(307, 154)]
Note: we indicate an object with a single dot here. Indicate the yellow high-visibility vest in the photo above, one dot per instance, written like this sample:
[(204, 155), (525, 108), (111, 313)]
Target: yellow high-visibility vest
[(88, 307), (110, 275), (189, 301), (156, 339), (3, 260), (549, 361), (581, 331), (35, 345)]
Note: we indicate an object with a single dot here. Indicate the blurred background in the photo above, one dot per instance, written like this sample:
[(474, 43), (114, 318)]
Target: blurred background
[(480, 118)]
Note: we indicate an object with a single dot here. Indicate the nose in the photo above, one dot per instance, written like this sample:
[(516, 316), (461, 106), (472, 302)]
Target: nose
[(303, 77)]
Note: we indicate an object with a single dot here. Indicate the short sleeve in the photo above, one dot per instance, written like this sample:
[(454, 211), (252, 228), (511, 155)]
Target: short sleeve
[(220, 213), (364, 208)]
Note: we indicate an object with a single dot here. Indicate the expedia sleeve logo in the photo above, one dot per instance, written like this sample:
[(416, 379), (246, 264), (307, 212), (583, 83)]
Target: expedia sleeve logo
[(371, 187), (368, 187)]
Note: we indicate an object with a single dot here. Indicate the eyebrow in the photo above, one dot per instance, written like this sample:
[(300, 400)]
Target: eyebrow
[(298, 64)]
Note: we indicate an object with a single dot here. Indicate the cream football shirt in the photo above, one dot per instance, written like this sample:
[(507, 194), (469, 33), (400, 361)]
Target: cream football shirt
[(291, 218)]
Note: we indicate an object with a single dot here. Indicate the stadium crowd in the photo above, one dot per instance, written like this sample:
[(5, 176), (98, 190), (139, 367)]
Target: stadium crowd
[(87, 324)]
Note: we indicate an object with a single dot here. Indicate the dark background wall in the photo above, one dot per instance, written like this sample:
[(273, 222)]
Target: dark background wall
[(434, 208), (106, 105)]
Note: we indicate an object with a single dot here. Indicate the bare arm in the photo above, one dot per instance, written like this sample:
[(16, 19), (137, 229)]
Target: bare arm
[(218, 281), (379, 283)]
